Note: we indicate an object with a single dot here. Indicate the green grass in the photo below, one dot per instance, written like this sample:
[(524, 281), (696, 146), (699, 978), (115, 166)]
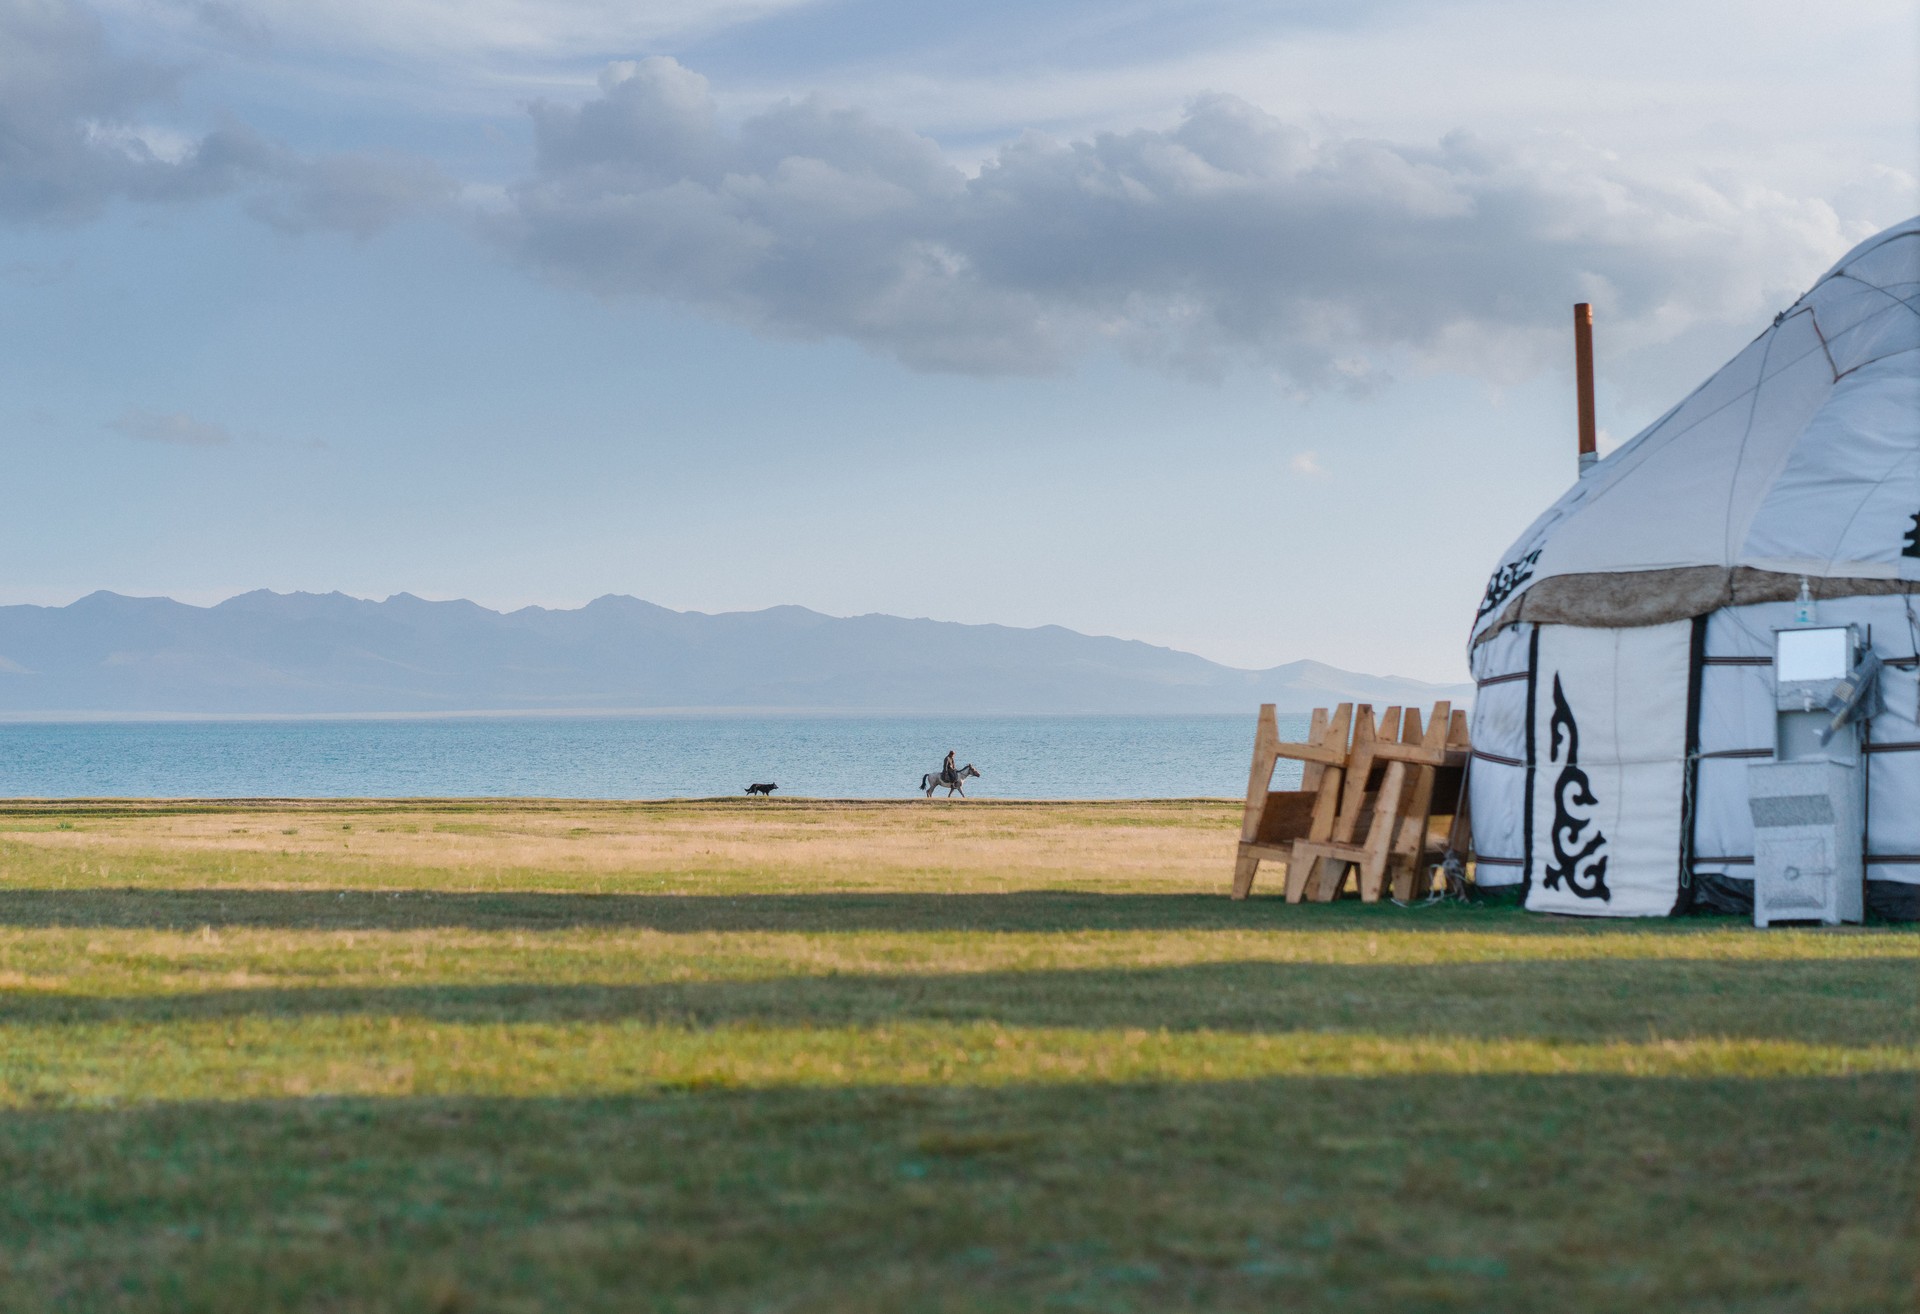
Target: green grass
[(793, 1056)]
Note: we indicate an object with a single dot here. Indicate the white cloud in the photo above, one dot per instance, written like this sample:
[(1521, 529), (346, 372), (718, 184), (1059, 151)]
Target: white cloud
[(1230, 239), (79, 129), (178, 429), (1307, 464)]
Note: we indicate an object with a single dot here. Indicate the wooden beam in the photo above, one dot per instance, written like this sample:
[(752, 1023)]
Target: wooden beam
[(1318, 753), (1411, 754), (1412, 877), (1266, 738), (1387, 806), (1268, 852), (1359, 767), (1326, 801), (1316, 734)]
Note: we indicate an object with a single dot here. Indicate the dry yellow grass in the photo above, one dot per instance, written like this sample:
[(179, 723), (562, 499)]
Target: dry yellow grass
[(972, 846)]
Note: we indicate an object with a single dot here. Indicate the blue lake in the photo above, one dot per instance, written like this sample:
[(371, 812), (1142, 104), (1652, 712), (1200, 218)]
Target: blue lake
[(633, 756)]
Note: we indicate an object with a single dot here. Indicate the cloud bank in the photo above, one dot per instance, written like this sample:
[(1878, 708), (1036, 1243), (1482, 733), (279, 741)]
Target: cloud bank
[(79, 130), (1231, 238)]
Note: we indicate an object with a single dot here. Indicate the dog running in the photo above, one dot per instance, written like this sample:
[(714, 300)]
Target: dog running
[(766, 790)]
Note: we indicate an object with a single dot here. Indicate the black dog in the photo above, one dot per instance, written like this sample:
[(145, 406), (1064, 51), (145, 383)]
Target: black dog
[(766, 789)]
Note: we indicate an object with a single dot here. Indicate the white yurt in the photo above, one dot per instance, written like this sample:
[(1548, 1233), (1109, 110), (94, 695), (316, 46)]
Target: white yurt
[(1625, 646)]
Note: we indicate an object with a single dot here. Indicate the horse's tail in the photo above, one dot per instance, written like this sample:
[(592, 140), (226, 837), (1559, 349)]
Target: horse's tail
[(924, 779)]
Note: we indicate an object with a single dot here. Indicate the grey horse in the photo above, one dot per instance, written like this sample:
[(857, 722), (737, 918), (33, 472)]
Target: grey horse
[(935, 779)]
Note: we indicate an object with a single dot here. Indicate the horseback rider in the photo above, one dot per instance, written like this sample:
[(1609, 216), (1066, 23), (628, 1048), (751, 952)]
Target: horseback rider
[(949, 773)]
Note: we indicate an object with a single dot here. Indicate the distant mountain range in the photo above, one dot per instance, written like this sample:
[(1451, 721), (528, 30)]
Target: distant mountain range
[(266, 653)]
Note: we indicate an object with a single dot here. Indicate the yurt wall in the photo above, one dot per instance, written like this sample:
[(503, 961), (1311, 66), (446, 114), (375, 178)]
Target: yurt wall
[(1605, 746)]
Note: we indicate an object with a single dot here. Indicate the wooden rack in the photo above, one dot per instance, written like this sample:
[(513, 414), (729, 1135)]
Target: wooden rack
[(1380, 801)]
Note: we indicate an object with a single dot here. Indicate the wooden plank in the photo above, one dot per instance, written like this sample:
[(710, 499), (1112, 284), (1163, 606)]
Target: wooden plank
[(1266, 741), (1460, 829), (1391, 841), (1325, 863), (1266, 736), (1316, 734), (1388, 731), (1268, 852), (1403, 847), (1329, 873), (1412, 754), (1359, 766), (1303, 860), (1286, 817), (1413, 845), (1329, 849), (1327, 800), (1323, 754), (1326, 805), (1386, 816), (1245, 864)]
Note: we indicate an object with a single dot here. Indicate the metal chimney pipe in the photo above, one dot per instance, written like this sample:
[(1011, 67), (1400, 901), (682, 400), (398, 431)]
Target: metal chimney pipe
[(1583, 380)]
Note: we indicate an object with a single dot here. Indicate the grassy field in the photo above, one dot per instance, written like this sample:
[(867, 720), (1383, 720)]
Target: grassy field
[(785, 1056)]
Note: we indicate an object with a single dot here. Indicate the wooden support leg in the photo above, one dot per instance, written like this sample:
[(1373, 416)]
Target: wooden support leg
[(1386, 819), (1298, 870), (1244, 868), (1266, 740), (1403, 878), (1329, 878), (1411, 879), (1329, 781), (1297, 873)]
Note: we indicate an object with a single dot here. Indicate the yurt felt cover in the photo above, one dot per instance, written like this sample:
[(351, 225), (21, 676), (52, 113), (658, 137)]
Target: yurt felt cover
[(1800, 457), (1502, 715)]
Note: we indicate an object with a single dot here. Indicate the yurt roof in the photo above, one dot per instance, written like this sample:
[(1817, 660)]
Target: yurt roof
[(1799, 458)]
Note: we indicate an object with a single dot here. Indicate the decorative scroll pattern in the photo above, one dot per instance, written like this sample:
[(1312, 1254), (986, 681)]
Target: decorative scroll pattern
[(1505, 580), (1582, 866)]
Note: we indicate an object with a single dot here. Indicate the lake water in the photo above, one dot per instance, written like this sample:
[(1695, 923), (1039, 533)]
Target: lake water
[(633, 756)]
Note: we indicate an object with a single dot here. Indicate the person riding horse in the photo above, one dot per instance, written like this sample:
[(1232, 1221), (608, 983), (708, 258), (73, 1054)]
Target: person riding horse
[(949, 773)]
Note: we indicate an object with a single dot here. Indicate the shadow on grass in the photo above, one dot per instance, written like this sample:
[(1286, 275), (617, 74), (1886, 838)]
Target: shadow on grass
[(1519, 1194), (1020, 910), (1860, 1001)]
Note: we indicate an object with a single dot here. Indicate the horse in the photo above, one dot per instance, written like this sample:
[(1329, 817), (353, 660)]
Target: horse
[(934, 779)]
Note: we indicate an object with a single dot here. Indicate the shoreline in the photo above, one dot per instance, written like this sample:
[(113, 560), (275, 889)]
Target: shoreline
[(23, 806)]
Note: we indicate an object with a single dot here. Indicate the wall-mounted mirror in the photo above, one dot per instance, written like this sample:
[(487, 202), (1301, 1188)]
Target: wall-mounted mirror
[(1823, 654)]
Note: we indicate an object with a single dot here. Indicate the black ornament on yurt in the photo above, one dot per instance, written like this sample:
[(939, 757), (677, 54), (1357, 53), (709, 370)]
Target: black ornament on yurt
[(1583, 867)]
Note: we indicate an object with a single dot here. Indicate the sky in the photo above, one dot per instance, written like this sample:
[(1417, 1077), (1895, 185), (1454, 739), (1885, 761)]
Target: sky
[(1238, 327)]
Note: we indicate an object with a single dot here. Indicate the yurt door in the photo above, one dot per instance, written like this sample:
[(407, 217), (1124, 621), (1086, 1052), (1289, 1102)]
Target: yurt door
[(1607, 754)]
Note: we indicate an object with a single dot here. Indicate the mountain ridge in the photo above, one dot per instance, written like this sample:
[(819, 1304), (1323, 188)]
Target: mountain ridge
[(262, 653)]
